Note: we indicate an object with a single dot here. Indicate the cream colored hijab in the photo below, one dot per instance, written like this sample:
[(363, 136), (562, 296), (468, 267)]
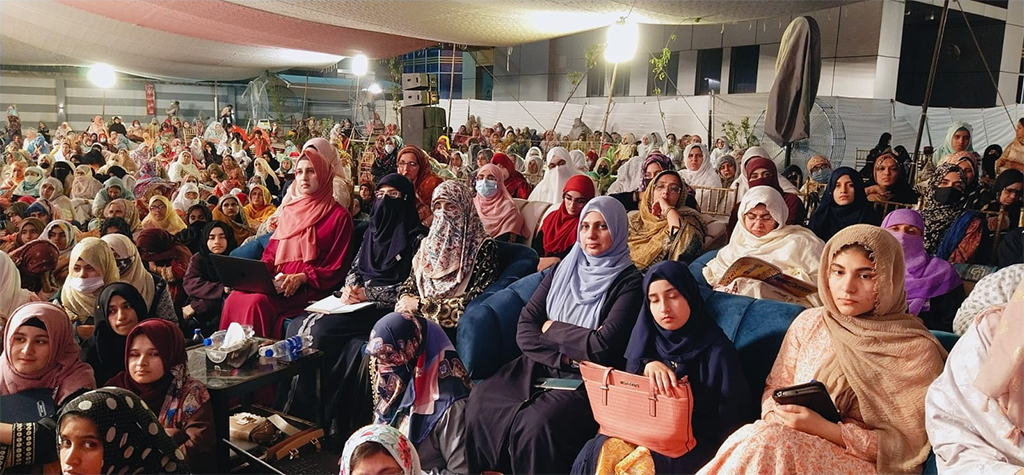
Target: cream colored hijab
[(794, 249), (12, 295), (136, 274), (884, 361), (97, 254)]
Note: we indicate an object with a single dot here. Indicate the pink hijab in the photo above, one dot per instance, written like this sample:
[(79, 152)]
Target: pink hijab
[(65, 373), (299, 213), (499, 213)]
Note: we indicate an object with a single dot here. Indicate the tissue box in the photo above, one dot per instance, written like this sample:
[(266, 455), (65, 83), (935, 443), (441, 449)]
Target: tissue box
[(234, 355)]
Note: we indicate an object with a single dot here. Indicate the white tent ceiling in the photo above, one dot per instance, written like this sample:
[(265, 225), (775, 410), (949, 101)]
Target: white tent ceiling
[(236, 39)]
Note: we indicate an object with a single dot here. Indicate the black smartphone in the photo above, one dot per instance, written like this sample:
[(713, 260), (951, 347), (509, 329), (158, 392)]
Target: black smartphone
[(812, 395)]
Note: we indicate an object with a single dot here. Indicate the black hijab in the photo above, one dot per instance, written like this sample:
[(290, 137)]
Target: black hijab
[(192, 236), (204, 265), (107, 347), (988, 160), (385, 258), (830, 218), (116, 171), (1005, 179)]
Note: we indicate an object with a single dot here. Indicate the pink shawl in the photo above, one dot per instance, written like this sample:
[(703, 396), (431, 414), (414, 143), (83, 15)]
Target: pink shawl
[(300, 213), (65, 373), (1000, 373), (499, 213)]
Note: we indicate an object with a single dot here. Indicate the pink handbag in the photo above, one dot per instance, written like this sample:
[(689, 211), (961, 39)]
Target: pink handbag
[(618, 400)]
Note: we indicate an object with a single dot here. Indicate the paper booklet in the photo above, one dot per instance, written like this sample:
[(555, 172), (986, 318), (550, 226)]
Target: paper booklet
[(757, 269), (332, 304)]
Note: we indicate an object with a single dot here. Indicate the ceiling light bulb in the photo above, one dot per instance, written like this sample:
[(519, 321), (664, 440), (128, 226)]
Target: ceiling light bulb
[(102, 75), (360, 65), (623, 37)]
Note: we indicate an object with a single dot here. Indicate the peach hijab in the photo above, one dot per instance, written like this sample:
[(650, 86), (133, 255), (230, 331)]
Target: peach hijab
[(299, 214)]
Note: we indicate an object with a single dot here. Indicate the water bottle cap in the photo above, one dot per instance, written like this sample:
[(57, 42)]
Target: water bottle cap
[(195, 332), (207, 342), (269, 353)]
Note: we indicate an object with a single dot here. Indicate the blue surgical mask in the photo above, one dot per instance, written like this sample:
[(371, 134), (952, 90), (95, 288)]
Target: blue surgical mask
[(486, 188), (821, 175)]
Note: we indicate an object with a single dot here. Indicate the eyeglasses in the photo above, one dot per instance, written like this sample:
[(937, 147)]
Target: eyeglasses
[(408, 165), (671, 188), (762, 218), (1013, 191), (393, 194), (576, 201)]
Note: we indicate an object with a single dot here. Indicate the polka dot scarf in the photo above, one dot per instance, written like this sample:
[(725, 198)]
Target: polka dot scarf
[(133, 439)]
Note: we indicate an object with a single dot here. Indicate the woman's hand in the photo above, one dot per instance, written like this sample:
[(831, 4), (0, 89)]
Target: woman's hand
[(353, 294), (408, 305), (290, 283), (810, 422), (546, 262), (662, 378), (544, 328), (675, 221)]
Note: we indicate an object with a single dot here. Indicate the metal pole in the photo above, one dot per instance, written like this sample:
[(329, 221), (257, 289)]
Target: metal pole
[(608, 110), (931, 80), (451, 89), (104, 113)]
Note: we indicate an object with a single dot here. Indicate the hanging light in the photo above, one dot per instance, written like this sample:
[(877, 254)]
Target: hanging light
[(102, 75), (360, 65), (623, 38), (374, 89)]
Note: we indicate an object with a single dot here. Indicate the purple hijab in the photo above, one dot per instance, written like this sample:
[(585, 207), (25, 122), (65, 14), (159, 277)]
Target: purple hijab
[(927, 276)]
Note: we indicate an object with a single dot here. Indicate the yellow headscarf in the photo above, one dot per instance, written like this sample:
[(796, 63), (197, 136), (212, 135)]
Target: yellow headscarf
[(97, 254), (257, 217), (171, 223)]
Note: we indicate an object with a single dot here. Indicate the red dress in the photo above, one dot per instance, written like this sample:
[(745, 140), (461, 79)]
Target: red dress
[(323, 275)]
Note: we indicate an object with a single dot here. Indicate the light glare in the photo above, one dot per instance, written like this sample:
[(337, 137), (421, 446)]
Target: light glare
[(102, 75), (374, 88), (360, 64), (623, 38)]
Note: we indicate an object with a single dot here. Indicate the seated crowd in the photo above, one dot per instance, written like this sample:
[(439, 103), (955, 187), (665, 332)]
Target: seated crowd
[(107, 269)]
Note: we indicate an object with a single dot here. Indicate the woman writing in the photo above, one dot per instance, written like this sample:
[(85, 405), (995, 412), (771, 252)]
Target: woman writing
[(39, 353), (674, 338), (665, 229), (309, 248), (156, 369), (864, 348), (584, 310)]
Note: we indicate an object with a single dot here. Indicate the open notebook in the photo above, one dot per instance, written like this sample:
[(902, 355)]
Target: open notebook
[(335, 305)]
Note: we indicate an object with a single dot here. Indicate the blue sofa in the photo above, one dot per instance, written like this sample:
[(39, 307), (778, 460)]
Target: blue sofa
[(487, 332)]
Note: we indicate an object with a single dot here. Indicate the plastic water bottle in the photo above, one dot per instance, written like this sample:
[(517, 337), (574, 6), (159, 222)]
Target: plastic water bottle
[(288, 349), (197, 338)]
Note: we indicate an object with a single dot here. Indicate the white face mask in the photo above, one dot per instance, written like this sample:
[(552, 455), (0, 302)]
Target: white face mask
[(389, 148), (87, 285)]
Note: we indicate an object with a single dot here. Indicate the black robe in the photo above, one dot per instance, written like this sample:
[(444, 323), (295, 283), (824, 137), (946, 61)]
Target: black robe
[(514, 427)]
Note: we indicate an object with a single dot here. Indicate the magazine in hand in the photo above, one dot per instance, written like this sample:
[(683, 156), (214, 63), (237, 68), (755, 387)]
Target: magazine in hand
[(757, 269)]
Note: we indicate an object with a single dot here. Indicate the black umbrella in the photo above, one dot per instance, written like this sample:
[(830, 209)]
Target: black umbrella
[(797, 71)]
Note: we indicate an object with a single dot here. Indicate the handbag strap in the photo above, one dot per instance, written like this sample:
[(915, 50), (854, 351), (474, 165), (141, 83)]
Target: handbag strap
[(606, 382)]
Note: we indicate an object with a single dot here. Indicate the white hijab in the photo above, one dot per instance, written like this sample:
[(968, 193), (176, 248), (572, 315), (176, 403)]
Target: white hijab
[(629, 176), (550, 187), (718, 153), (794, 249)]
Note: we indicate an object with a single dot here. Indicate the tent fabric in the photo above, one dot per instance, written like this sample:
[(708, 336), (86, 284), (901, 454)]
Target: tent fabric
[(797, 74)]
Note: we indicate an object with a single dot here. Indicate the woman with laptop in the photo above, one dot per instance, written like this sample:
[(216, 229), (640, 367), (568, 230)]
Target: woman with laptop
[(308, 252)]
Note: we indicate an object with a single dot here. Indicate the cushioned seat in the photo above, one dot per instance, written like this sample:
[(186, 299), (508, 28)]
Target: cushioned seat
[(697, 267), (533, 213)]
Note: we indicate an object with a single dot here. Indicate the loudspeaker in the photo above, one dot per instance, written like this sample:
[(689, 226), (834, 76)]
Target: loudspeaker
[(421, 126), (419, 98), (417, 81)]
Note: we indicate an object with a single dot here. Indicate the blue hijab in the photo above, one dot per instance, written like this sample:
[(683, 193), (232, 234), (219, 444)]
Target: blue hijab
[(581, 281), (426, 375), (830, 218)]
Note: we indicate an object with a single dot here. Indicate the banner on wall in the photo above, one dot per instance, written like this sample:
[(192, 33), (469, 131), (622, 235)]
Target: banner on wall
[(150, 99)]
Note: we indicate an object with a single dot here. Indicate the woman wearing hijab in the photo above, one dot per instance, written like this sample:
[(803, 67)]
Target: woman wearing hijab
[(583, 310), (413, 164), (379, 448), (958, 139), (983, 370), (499, 214), (166, 257), (93, 429), (762, 233), (759, 170), (973, 189), (259, 208), (385, 158), (184, 166), (309, 249), (864, 347), (132, 270), (889, 182), (187, 197), (119, 308), (455, 262), (229, 210), (514, 181), (559, 170), (951, 233), (85, 185), (30, 185), (162, 216), (626, 150), (654, 164), (39, 353), (408, 353), (156, 369), (383, 262), (674, 338), (121, 208), (843, 204), (601, 175), (1005, 196), (63, 235), (36, 262), (557, 232), (202, 284), (29, 230), (264, 174), (196, 218), (12, 295), (113, 189), (665, 228), (53, 192), (700, 172), (535, 166), (1013, 153), (934, 289), (41, 210)]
